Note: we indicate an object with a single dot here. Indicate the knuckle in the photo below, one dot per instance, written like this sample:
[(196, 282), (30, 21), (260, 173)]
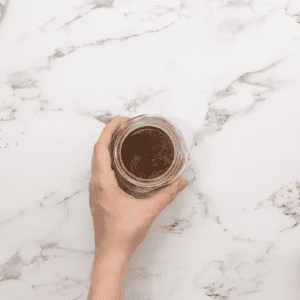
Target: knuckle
[(99, 180), (95, 183)]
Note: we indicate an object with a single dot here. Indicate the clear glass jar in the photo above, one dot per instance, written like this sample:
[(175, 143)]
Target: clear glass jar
[(144, 188)]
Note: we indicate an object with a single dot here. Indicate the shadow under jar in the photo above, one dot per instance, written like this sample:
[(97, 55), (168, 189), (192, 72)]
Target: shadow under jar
[(148, 153)]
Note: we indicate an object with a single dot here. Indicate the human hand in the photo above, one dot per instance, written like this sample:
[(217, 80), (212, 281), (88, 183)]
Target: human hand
[(121, 221)]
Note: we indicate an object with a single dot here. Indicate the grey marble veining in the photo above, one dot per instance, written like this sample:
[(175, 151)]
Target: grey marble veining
[(2, 8), (226, 72)]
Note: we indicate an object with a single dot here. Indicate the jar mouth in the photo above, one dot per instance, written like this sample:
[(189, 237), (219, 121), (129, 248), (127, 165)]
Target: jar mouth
[(155, 179), (159, 122)]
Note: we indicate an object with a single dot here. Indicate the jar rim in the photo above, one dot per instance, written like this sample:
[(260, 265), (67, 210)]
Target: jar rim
[(152, 120), (160, 176)]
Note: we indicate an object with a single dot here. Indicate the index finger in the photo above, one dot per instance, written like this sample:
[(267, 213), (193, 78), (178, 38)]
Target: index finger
[(108, 130), (101, 159)]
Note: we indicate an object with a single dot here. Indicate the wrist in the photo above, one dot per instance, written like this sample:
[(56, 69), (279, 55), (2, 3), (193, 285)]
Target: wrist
[(112, 250), (111, 260), (109, 270), (111, 253), (124, 249)]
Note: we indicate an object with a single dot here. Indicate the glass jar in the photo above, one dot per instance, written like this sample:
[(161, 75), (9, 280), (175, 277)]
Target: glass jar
[(140, 187)]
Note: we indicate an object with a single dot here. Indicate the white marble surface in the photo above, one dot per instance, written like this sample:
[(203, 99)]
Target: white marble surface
[(227, 72)]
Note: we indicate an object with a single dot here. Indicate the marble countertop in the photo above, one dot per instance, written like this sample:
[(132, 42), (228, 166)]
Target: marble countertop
[(227, 72)]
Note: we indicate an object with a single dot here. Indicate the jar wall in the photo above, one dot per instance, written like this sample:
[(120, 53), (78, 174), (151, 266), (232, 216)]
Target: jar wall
[(144, 188)]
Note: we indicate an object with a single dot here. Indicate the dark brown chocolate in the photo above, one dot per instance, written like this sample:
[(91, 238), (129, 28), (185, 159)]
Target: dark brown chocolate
[(147, 152)]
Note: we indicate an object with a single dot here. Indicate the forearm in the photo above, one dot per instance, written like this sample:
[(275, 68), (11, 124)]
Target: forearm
[(108, 276)]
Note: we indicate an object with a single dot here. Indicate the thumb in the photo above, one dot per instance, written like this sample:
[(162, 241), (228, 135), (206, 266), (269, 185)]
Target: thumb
[(183, 183), (175, 188), (167, 195)]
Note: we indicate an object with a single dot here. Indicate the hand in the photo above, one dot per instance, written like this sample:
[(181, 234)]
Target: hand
[(122, 222)]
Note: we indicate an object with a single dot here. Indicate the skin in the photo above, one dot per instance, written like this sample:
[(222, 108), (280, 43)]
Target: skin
[(121, 222)]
